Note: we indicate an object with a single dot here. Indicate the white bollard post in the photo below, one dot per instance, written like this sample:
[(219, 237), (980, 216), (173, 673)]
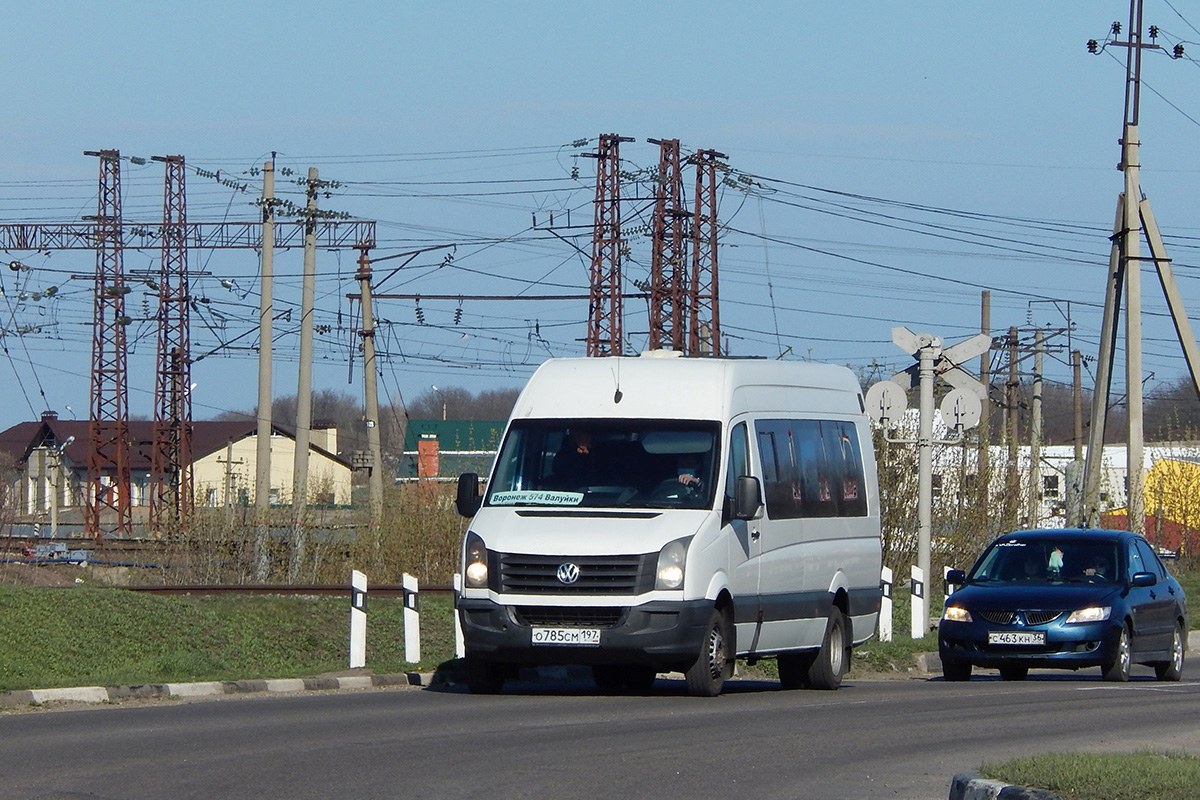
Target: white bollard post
[(412, 619), (358, 619), (885, 606), (460, 647), (920, 604), (948, 588)]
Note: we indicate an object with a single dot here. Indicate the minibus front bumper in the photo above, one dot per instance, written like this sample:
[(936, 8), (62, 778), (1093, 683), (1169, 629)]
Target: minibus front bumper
[(662, 633)]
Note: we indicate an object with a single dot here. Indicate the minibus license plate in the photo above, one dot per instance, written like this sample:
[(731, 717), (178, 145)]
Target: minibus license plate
[(589, 637), (1016, 637)]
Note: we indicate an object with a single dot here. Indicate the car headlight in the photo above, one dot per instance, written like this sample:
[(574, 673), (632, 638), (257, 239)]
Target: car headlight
[(475, 570), (671, 561), (956, 614), (1092, 614)]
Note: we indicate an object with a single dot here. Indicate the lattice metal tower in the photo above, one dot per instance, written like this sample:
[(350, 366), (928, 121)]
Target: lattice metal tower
[(704, 325), (669, 295), (171, 498), (605, 303), (108, 504)]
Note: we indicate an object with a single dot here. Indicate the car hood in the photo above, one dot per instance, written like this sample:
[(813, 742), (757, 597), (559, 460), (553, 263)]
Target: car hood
[(1048, 596)]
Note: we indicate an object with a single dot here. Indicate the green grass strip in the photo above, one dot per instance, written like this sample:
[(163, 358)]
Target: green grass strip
[(1104, 776)]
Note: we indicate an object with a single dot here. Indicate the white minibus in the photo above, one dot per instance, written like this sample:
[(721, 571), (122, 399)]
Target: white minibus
[(660, 513)]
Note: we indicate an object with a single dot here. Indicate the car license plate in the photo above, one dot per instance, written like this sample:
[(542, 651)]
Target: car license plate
[(587, 637), (1016, 637)]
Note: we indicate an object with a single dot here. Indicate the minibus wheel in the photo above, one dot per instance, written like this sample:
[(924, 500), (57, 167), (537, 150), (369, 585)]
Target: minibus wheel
[(833, 659), (794, 668), (713, 665), (484, 677)]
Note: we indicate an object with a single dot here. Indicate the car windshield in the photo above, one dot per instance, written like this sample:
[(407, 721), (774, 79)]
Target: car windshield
[(1045, 559), (607, 463)]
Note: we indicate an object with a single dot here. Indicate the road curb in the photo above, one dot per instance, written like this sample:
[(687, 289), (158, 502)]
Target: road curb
[(110, 694), (973, 787)]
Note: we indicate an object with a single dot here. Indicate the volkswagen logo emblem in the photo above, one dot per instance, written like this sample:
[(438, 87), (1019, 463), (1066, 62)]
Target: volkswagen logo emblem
[(568, 573)]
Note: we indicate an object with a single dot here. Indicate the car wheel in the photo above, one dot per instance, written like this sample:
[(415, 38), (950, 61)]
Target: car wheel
[(484, 677), (1172, 670), (714, 663), (956, 670), (1013, 673), (833, 659), (794, 667), (1118, 669)]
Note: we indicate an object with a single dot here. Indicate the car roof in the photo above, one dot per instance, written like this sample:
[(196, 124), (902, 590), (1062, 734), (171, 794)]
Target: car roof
[(1066, 534)]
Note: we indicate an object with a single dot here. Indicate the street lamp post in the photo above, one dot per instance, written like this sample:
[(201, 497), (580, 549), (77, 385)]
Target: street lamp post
[(442, 395), (56, 482)]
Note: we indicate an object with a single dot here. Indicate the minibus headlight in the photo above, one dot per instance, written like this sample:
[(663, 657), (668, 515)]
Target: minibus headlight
[(671, 560), (475, 570)]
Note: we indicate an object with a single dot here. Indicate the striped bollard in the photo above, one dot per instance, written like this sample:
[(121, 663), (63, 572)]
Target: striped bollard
[(920, 604), (885, 605), (358, 619), (460, 647), (412, 619)]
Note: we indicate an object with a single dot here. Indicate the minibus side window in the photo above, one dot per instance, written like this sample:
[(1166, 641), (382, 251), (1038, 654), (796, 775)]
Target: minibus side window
[(845, 467), (739, 459)]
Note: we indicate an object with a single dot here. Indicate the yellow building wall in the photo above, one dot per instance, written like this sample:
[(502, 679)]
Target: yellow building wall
[(328, 480)]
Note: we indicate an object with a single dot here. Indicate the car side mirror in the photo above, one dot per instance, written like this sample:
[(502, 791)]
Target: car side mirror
[(467, 501), (956, 577), (747, 498), (1144, 579)]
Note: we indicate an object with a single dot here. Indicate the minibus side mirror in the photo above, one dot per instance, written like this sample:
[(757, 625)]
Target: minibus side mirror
[(468, 500), (747, 499)]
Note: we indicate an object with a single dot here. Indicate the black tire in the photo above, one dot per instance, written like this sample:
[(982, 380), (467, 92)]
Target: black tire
[(1014, 673), (833, 659), (794, 667), (1117, 670), (1172, 670), (956, 670), (484, 677), (714, 663)]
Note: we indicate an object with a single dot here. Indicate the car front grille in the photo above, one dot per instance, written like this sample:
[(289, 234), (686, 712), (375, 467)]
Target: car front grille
[(1009, 617), (519, 573), (569, 616)]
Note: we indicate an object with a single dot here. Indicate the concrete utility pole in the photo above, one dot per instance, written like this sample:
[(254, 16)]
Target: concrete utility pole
[(1134, 218), (983, 474), (266, 308), (1035, 436), (1012, 483), (265, 352), (370, 390), (304, 387)]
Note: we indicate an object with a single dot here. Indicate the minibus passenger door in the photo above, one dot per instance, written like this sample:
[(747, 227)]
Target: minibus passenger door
[(742, 516)]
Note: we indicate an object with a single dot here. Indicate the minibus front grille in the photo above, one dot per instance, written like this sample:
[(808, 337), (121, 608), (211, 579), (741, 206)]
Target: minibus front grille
[(569, 616), (520, 573)]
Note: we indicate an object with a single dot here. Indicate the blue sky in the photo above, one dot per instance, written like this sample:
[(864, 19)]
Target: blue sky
[(906, 156)]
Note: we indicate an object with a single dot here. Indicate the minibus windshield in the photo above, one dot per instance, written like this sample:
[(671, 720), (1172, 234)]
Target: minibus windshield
[(607, 463)]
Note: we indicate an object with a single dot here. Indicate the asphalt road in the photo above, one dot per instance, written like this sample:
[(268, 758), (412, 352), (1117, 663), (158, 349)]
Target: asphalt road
[(872, 739)]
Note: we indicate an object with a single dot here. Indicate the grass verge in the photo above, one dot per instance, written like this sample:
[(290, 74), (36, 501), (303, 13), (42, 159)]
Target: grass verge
[(1107, 776), (106, 637)]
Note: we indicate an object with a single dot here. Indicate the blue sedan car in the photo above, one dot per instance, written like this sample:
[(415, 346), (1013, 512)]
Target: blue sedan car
[(1064, 599)]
